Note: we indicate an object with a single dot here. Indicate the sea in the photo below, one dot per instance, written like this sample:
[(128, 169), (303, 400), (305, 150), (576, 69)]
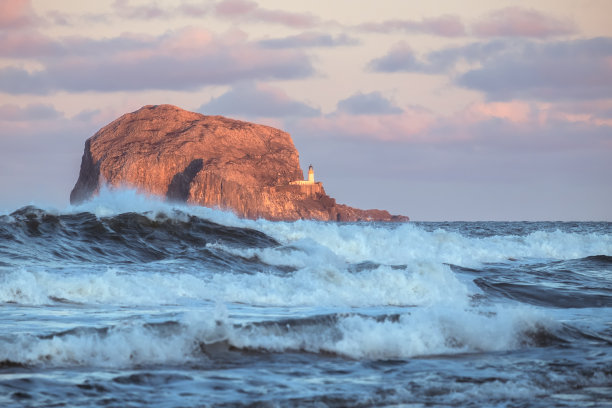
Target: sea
[(126, 301)]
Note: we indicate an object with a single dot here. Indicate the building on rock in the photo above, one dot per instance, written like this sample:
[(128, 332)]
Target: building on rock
[(310, 180)]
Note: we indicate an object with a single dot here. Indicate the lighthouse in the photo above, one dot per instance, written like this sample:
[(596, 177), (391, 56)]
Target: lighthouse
[(307, 182), (310, 174)]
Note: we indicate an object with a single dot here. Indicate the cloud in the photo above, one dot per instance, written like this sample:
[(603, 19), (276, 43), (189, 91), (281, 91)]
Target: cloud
[(526, 126), (511, 69), (152, 10), (400, 58), (373, 103), (257, 100), (59, 18), (370, 117), (577, 69), (32, 112), (194, 9), (520, 22), (506, 22), (19, 81), (446, 26), (594, 111), (187, 59), (514, 125), (147, 11), (513, 111), (16, 14), (411, 125), (309, 39), (250, 11), (125, 10), (27, 44)]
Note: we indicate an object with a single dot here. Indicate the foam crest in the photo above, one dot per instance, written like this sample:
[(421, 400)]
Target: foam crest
[(123, 345), (422, 332), (318, 285), (114, 201), (407, 243), (381, 243), (110, 287), (329, 286), (442, 330), (299, 254)]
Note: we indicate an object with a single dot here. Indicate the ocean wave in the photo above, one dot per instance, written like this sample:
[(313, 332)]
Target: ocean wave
[(196, 337), (408, 242), (316, 285), (547, 295), (123, 226), (33, 234), (383, 242)]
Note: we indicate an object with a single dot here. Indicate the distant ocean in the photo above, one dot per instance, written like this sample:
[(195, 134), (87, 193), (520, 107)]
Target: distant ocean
[(126, 301)]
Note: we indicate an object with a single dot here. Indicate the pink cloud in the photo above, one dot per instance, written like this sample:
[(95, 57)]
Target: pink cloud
[(286, 18), (592, 113), (148, 11), (536, 125), (258, 101), (25, 43), (513, 111), (520, 22), (235, 8), (194, 9), (185, 59), (446, 26), (411, 125), (249, 10), (152, 10), (125, 9), (58, 18), (16, 13), (186, 41), (514, 125)]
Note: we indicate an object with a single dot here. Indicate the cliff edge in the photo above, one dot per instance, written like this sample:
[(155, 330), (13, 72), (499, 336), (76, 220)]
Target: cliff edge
[(210, 161)]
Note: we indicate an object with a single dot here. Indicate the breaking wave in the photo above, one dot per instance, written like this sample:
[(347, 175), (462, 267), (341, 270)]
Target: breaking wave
[(123, 226), (420, 332)]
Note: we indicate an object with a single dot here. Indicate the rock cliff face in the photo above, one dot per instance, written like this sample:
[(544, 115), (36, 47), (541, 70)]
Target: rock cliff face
[(211, 161)]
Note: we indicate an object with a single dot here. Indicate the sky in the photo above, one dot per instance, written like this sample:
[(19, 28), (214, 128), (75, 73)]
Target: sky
[(442, 110)]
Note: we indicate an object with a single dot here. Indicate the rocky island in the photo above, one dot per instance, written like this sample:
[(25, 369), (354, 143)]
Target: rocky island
[(213, 161)]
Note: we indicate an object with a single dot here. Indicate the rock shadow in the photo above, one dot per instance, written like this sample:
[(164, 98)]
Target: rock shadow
[(179, 187), (89, 177)]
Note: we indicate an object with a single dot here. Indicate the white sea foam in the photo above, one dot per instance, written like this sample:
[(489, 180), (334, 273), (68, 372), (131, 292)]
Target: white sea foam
[(423, 331), (321, 253), (401, 244), (307, 242), (441, 330), (408, 242), (123, 345), (112, 201), (319, 285)]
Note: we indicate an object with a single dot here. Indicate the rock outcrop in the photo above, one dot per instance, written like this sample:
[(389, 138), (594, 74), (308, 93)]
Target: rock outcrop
[(211, 161)]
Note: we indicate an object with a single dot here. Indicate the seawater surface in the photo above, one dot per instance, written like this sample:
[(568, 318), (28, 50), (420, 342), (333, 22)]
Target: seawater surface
[(125, 301)]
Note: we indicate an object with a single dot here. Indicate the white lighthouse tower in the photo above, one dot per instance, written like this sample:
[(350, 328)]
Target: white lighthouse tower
[(307, 182)]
